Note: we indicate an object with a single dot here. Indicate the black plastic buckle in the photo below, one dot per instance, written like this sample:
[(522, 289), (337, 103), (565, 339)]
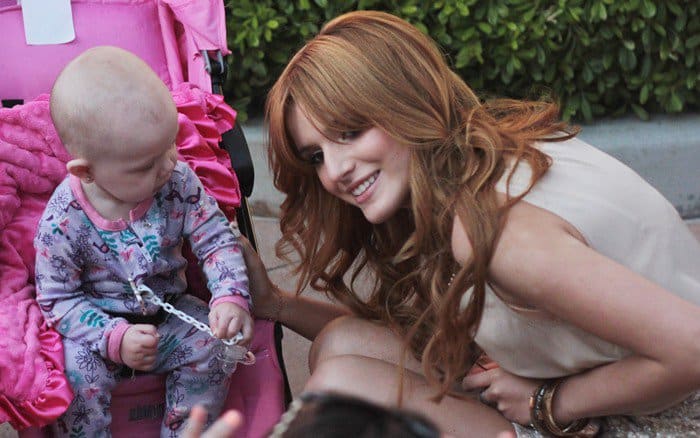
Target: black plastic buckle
[(9, 103), (217, 70)]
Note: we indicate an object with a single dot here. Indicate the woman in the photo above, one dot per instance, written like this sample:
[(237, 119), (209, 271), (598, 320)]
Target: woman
[(487, 227)]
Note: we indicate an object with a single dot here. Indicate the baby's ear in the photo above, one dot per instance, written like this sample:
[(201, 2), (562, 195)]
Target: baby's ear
[(80, 167)]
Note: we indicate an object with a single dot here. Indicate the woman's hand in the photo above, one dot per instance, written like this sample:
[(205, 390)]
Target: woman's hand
[(224, 427), (506, 392), (302, 315), (267, 300)]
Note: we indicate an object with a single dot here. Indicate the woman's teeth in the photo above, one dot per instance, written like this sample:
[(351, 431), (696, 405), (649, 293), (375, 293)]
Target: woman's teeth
[(365, 185)]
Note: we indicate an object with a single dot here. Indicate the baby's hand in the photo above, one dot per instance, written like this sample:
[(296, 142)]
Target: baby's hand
[(139, 347), (227, 319)]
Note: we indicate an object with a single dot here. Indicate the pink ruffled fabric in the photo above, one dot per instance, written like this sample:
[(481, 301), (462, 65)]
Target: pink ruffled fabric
[(33, 388), (203, 118)]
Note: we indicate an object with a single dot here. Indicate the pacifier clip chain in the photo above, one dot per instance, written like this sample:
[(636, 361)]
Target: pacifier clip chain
[(230, 354)]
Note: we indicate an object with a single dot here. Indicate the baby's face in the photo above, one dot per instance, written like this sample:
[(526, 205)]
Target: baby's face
[(135, 173)]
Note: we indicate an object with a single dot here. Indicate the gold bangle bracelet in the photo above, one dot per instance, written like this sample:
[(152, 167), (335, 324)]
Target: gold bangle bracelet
[(537, 420), (571, 429)]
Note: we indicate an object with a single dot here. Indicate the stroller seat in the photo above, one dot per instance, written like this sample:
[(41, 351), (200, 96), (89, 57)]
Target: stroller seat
[(174, 37)]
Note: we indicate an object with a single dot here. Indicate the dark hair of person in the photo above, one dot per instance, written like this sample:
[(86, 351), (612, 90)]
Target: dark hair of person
[(329, 415)]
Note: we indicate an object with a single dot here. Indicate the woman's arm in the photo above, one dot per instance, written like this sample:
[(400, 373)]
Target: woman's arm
[(539, 261), (303, 315)]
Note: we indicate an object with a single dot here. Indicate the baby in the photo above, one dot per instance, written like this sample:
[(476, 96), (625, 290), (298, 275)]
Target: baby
[(119, 217)]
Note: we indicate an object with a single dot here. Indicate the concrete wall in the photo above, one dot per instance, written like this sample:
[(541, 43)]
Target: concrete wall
[(665, 151)]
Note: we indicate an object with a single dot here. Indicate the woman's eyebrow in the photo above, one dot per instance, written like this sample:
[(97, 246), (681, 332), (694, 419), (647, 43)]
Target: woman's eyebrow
[(306, 148)]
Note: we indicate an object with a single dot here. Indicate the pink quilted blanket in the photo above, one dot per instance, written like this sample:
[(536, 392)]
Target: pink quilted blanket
[(33, 388), (32, 163)]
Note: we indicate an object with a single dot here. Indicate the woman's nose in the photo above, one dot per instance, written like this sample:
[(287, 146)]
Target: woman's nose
[(338, 166)]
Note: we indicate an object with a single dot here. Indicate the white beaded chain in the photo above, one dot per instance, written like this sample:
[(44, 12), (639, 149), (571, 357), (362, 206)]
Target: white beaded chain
[(231, 353), (286, 419), (145, 293)]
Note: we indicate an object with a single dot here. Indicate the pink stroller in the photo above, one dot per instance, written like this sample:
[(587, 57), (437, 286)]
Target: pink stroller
[(184, 41)]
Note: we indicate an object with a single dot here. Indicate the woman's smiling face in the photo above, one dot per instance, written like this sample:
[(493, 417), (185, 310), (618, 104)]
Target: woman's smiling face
[(367, 169)]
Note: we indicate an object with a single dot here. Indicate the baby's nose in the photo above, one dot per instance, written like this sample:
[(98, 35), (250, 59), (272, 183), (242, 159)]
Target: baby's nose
[(173, 156)]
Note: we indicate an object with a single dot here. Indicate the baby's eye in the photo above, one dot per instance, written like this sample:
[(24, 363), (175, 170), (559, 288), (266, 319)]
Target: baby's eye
[(143, 169)]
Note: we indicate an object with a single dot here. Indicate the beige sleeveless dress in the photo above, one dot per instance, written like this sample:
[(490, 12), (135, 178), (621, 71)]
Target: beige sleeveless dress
[(624, 218)]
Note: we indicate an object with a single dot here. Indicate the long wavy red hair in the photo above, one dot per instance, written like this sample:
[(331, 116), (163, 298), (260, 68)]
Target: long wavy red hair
[(371, 69)]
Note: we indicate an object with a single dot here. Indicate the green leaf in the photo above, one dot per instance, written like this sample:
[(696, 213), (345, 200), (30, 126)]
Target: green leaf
[(468, 53), (644, 93), (646, 66), (639, 111), (693, 41), (648, 9), (646, 37), (658, 28), (586, 109), (587, 74), (675, 103), (492, 15), (485, 28), (674, 7), (598, 11), (409, 9), (628, 60)]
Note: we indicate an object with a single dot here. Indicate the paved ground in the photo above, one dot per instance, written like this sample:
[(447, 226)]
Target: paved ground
[(295, 348)]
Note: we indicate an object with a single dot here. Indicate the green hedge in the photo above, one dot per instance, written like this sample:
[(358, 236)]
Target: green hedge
[(598, 57)]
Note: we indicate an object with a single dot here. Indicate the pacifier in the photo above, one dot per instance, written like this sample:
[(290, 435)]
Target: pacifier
[(230, 355)]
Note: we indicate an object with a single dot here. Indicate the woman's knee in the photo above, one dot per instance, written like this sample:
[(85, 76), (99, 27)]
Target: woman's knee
[(359, 376), (349, 335), (322, 379), (335, 374), (341, 336)]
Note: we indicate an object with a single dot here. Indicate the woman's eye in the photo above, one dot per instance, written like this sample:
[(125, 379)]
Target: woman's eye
[(348, 135), (316, 158)]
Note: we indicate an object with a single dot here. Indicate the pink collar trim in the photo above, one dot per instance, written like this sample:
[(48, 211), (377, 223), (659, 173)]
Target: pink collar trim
[(106, 224)]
